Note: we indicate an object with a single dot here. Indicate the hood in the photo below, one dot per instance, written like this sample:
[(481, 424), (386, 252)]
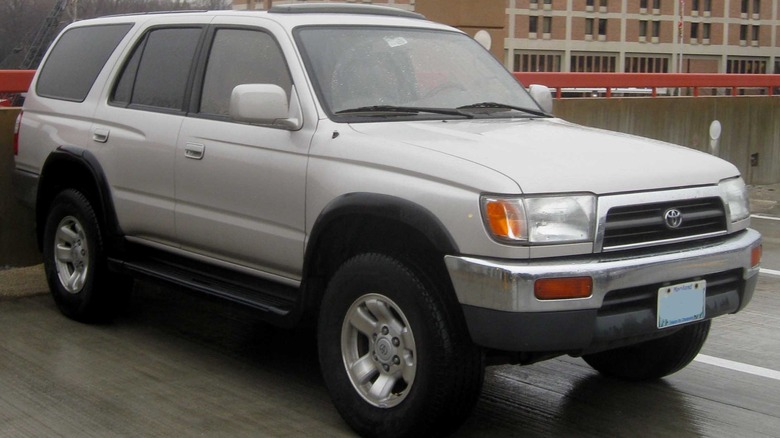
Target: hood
[(554, 156)]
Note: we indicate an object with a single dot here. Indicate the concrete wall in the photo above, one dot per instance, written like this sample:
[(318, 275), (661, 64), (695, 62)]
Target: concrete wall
[(17, 230), (751, 125)]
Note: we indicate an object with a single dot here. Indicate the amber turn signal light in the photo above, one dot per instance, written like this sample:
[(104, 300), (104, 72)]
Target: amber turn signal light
[(563, 288), (506, 219), (755, 255)]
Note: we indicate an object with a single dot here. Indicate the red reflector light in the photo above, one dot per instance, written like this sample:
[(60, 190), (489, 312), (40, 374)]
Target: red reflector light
[(17, 125), (563, 288), (755, 255)]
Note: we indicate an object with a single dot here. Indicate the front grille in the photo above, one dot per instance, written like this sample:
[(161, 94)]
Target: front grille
[(646, 224)]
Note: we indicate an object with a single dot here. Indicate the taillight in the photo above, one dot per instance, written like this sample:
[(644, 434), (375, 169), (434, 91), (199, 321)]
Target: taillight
[(17, 125)]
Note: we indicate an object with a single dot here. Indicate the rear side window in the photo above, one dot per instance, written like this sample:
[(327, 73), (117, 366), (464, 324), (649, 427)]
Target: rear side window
[(77, 59), (157, 73)]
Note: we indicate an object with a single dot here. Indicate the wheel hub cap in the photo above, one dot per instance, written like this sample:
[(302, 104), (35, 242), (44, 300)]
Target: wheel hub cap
[(378, 349), (71, 254), (385, 350)]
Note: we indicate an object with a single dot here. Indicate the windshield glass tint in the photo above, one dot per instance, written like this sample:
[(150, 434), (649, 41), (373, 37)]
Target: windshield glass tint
[(356, 67)]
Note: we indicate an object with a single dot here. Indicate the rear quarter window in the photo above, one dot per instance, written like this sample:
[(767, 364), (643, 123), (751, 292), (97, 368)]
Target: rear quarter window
[(77, 59)]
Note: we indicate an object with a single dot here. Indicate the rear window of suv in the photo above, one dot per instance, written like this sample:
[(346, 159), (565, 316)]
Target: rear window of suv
[(157, 74), (77, 59)]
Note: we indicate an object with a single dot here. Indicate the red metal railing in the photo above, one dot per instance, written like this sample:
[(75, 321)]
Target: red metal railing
[(18, 81), (652, 81), (14, 81)]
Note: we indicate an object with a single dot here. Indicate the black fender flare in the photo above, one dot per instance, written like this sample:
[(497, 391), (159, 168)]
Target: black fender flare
[(90, 177), (368, 206), (385, 207)]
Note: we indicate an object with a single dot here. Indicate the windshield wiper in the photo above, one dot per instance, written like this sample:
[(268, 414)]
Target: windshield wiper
[(503, 106), (379, 110)]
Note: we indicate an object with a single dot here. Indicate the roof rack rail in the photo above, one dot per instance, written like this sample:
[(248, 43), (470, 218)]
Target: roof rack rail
[(343, 8), (178, 11)]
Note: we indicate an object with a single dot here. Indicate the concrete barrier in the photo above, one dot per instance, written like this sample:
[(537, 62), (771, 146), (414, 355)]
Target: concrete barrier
[(17, 225), (751, 126)]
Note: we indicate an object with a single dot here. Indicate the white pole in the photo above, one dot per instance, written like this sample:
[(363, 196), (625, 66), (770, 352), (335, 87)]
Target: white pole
[(680, 29)]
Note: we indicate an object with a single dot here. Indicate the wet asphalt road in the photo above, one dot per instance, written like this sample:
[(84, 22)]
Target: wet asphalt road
[(177, 364)]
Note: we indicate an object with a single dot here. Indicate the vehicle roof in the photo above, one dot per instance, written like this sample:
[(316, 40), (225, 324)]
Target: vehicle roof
[(302, 15)]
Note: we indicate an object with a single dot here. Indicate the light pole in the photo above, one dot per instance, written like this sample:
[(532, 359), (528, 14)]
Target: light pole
[(680, 29)]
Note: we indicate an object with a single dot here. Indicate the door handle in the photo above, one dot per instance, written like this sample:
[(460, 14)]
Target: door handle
[(194, 151), (100, 135)]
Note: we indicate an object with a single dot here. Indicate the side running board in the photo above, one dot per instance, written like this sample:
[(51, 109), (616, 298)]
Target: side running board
[(267, 296)]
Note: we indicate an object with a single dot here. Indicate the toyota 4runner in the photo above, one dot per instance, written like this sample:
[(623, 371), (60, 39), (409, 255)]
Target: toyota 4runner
[(383, 178)]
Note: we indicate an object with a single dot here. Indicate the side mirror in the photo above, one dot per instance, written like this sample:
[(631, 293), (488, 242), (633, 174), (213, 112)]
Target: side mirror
[(263, 104), (542, 96)]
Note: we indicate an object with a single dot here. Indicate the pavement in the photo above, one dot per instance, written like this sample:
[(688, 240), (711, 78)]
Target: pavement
[(22, 282), (27, 281)]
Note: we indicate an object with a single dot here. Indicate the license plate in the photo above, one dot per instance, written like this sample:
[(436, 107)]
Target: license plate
[(681, 303)]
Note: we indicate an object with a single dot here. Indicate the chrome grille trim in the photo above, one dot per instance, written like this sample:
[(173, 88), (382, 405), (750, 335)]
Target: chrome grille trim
[(706, 197)]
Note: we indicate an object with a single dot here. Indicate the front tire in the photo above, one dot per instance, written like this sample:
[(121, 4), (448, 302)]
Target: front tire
[(652, 359), (74, 260), (395, 359)]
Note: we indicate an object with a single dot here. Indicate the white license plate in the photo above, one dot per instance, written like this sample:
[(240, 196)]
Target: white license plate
[(681, 303)]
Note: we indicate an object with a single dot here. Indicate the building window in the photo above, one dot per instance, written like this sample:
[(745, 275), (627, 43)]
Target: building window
[(706, 31), (744, 8), (547, 25), (743, 30), (593, 63), (603, 3), (537, 62), (656, 29), (755, 33), (589, 4), (756, 7), (656, 4), (647, 64), (603, 27), (746, 65), (695, 5), (588, 27), (694, 31), (533, 24), (642, 4), (643, 29), (707, 5)]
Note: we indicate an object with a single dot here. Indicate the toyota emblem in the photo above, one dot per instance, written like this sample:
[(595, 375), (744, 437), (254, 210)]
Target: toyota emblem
[(673, 218)]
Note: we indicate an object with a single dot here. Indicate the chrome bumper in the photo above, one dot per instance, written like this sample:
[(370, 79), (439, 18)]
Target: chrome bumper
[(499, 302)]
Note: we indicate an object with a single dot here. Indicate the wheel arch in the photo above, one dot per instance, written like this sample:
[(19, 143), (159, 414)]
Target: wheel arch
[(368, 222), (76, 168)]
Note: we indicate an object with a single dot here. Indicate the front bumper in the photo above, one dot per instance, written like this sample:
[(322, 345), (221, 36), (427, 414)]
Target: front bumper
[(502, 313)]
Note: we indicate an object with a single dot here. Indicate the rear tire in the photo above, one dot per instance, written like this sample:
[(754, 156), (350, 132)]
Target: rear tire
[(652, 359), (74, 260), (394, 358)]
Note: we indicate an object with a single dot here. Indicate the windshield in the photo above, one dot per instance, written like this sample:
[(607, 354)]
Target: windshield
[(370, 72)]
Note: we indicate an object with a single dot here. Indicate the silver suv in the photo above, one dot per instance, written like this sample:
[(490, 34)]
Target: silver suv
[(384, 178)]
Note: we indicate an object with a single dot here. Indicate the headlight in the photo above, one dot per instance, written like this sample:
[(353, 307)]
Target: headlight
[(540, 220), (735, 197)]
